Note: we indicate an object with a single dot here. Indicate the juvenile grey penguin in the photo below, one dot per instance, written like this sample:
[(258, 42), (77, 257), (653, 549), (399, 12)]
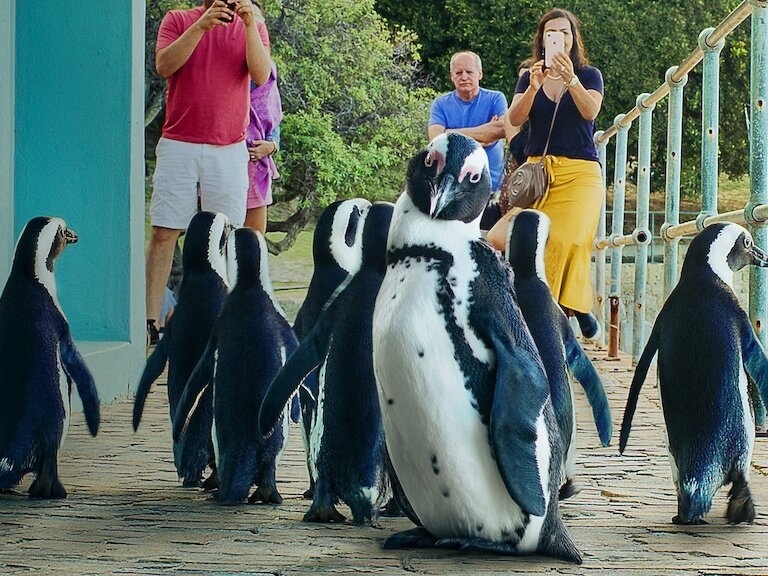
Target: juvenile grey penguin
[(201, 297), (465, 401), (560, 352), (707, 353), (40, 361), (249, 343)]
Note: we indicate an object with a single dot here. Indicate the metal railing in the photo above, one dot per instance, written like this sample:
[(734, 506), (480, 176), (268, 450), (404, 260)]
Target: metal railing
[(755, 212)]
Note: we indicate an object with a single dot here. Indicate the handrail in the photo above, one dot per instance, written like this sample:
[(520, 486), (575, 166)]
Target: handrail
[(728, 25)]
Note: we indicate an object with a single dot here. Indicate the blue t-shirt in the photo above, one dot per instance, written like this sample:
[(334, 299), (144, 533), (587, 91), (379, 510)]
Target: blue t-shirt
[(572, 135), (450, 111)]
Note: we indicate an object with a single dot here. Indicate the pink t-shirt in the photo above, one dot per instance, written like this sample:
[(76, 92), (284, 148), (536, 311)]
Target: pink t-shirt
[(208, 97)]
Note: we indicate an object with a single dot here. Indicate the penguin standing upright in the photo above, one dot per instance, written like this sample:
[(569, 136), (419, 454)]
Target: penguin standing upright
[(707, 352), (40, 361), (337, 255), (465, 402), (560, 352), (347, 450), (249, 343), (201, 297)]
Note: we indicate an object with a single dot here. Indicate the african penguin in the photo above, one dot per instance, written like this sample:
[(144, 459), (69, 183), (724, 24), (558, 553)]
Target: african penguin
[(347, 450), (560, 352), (201, 297), (707, 353), (249, 343), (465, 401), (40, 361), (336, 256)]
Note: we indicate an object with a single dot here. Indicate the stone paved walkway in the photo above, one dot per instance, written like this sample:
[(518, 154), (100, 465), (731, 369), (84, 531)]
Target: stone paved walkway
[(127, 514)]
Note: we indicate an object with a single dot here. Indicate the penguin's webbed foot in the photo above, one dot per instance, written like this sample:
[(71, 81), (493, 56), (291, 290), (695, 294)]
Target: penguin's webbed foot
[(481, 545), (47, 488), (191, 483), (325, 514), (413, 538), (570, 488), (695, 521), (392, 509), (211, 483), (265, 495), (309, 494), (740, 505)]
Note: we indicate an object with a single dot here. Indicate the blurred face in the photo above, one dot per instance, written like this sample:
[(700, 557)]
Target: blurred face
[(564, 26), (466, 75)]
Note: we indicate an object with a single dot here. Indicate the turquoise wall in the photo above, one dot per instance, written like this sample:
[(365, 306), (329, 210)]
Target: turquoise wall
[(77, 81)]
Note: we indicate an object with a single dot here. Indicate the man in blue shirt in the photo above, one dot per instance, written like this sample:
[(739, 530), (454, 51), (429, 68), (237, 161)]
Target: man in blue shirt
[(475, 112)]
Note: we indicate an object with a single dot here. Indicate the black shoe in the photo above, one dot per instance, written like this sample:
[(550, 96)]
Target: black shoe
[(153, 334), (590, 327)]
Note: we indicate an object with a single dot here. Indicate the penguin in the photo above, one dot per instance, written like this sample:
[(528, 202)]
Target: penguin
[(249, 343), (468, 418), (336, 256), (40, 361), (707, 353), (201, 297), (347, 449), (560, 352)]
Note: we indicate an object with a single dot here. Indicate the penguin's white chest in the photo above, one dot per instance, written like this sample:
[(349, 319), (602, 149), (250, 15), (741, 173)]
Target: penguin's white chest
[(437, 441)]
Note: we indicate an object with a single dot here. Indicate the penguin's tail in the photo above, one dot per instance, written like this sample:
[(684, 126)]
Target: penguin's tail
[(558, 542)]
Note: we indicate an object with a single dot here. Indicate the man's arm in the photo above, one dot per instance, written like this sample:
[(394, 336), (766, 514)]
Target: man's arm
[(486, 134), (256, 56), (169, 59)]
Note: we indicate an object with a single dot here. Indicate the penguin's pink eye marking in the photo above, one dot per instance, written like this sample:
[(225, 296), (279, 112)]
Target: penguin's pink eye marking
[(435, 156), (474, 164)]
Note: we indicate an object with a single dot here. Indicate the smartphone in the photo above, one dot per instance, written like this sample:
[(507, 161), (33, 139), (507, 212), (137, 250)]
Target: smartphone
[(554, 43)]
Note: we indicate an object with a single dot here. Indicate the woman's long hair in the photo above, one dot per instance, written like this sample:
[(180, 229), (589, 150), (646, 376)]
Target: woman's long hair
[(578, 53)]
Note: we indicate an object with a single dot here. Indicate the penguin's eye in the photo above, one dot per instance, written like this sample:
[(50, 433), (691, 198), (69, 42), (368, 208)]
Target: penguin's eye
[(747, 242), (428, 161), (475, 178)]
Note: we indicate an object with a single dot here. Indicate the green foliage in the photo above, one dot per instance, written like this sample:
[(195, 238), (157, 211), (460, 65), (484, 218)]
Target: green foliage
[(354, 112), (633, 42)]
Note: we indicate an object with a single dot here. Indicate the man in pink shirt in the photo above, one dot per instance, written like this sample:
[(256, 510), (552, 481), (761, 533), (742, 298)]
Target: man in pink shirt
[(209, 55)]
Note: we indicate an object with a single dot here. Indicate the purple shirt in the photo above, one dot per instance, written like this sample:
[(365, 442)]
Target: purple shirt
[(572, 135)]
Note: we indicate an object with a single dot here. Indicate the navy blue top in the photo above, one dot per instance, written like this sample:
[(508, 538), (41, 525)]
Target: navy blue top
[(572, 134)]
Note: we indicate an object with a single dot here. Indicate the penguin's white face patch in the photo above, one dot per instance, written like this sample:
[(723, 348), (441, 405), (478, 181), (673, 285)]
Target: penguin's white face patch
[(264, 278), (43, 264), (231, 256), (216, 240), (473, 166), (437, 151), (348, 257), (717, 258), (542, 234)]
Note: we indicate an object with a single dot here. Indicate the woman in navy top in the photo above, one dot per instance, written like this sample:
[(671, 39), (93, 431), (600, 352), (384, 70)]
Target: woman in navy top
[(575, 193)]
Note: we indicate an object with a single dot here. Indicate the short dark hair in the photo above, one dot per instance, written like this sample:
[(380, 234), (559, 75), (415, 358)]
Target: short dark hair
[(578, 54)]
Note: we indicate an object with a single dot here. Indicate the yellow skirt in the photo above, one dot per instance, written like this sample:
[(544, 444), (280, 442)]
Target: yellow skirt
[(573, 204)]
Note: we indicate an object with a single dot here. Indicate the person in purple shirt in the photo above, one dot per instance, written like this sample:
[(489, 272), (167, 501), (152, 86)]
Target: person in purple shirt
[(575, 192), (473, 111)]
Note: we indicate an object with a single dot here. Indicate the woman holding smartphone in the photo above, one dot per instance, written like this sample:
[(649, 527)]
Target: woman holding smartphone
[(560, 73)]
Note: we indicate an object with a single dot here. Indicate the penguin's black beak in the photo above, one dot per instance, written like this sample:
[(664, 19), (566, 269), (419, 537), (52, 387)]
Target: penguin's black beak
[(759, 257), (442, 195), (70, 236)]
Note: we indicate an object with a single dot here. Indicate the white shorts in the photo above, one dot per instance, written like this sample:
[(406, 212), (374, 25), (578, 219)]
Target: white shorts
[(221, 171)]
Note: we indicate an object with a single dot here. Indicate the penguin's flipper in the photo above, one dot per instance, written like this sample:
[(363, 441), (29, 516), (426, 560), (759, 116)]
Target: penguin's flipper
[(585, 373), (301, 363), (152, 370), (194, 390), (77, 370), (755, 360), (641, 371), (522, 390), (397, 491)]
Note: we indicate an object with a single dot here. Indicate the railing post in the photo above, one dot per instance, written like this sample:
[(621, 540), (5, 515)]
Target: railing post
[(642, 233), (617, 228), (600, 256), (758, 172), (710, 131), (674, 162)]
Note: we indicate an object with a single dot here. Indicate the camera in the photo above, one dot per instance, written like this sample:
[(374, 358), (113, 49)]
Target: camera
[(231, 6)]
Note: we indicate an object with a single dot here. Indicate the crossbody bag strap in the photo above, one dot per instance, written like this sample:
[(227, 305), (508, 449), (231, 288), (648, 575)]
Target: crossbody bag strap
[(552, 124)]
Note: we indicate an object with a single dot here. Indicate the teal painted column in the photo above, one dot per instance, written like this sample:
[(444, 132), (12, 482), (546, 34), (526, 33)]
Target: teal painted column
[(7, 127), (674, 163), (79, 93), (617, 229), (642, 234), (710, 131), (600, 254)]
